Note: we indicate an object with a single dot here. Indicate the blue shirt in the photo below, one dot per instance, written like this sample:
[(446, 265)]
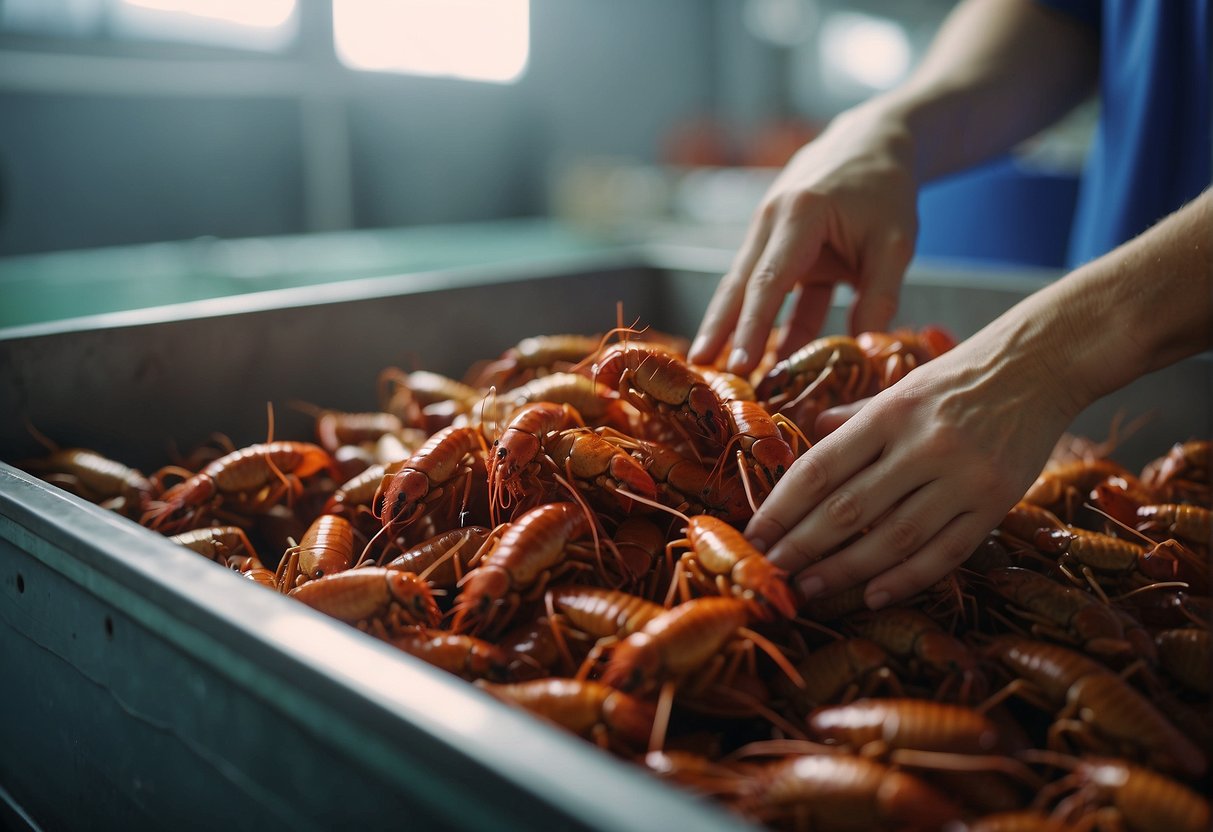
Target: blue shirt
[(1153, 148)]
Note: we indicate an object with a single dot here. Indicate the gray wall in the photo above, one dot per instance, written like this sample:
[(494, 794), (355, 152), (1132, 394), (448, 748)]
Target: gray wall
[(83, 169)]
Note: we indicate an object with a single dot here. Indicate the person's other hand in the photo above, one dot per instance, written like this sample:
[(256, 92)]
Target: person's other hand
[(843, 210), (901, 492)]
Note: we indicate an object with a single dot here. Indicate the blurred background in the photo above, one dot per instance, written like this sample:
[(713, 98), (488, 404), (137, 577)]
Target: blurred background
[(551, 122)]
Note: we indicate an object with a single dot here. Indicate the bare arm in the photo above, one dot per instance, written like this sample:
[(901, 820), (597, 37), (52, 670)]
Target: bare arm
[(930, 465), (844, 209)]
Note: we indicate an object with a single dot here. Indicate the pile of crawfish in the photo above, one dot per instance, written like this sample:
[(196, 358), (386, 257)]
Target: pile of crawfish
[(562, 529)]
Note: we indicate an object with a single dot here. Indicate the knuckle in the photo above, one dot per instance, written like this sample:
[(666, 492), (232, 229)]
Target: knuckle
[(764, 277), (843, 509), (809, 474), (902, 536)]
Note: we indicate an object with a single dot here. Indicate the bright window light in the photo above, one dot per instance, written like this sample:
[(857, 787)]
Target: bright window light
[(483, 40), (251, 24), (261, 13), (870, 51)]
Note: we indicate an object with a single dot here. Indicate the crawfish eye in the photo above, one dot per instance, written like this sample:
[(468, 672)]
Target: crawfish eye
[(319, 573), (502, 453)]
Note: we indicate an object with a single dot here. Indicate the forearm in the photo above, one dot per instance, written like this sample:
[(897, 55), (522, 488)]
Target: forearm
[(1142, 306), (998, 72)]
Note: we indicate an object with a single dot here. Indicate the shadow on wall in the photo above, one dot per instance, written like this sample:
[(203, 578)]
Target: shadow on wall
[(1006, 211)]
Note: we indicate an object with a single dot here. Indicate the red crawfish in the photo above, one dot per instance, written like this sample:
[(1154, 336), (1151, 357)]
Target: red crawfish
[(609, 717), (1123, 795), (917, 639), (250, 479), (443, 559), (465, 656), (525, 556), (1065, 613), (833, 369), (721, 559), (538, 355), (1185, 655), (828, 792), (381, 601), (657, 382), (1094, 706), (763, 454), (894, 354), (685, 641), (840, 672), (517, 452), (95, 478), (1183, 473), (875, 727), (327, 548), (225, 545), (439, 472)]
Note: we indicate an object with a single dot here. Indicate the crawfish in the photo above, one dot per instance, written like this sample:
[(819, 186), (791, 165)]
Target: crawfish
[(875, 727), (593, 464), (720, 557), (589, 398), (605, 615), (1183, 473), (1185, 656), (657, 382), (829, 793), (442, 560), (327, 548), (688, 487), (839, 672), (1192, 524), (429, 476), (1138, 798), (253, 478), (763, 454), (517, 451), (686, 640), (225, 545), (382, 601), (95, 478), (1063, 487), (1094, 705), (524, 558), (1064, 613), (609, 717), (917, 639), (834, 366), (465, 656), (538, 355)]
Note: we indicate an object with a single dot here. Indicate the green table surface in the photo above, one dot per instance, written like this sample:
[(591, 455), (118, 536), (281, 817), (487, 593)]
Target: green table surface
[(60, 285)]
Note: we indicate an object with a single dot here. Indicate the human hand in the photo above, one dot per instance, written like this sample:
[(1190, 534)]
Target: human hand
[(903, 491), (842, 211)]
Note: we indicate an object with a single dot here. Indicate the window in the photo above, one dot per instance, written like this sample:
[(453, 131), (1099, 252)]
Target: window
[(483, 40), (265, 25)]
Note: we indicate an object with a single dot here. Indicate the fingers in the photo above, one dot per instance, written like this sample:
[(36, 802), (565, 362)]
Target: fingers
[(888, 541), (725, 306), (791, 250), (833, 418), (806, 318), (780, 523), (812, 304), (884, 264), (950, 547)]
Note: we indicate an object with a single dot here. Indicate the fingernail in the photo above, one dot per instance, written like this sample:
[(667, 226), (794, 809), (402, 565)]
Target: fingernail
[(811, 587), (877, 600), (698, 346), (758, 543), (738, 358)]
